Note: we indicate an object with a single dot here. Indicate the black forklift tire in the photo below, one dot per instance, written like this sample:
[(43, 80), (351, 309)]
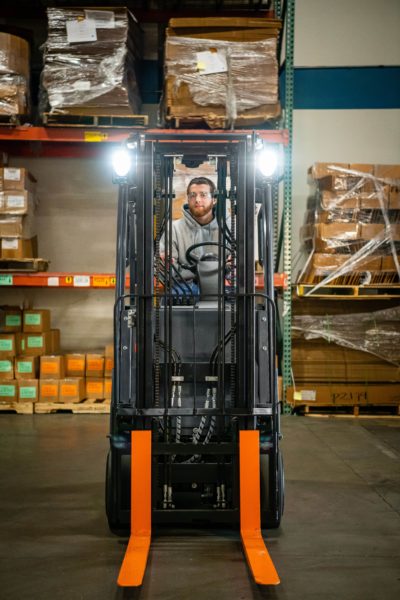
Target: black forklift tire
[(111, 508), (271, 519)]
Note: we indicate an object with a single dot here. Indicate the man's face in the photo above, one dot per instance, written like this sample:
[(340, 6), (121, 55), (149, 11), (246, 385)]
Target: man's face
[(200, 201)]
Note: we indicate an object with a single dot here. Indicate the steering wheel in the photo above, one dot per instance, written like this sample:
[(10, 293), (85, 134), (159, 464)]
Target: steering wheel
[(190, 259)]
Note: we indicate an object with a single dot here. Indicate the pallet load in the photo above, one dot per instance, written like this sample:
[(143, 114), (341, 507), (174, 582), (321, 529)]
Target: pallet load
[(343, 359), (17, 215), (14, 77), (221, 72), (90, 64), (352, 227)]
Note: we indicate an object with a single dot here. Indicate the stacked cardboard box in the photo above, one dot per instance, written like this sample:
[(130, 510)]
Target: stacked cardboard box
[(221, 71), (14, 75), (352, 225), (90, 62), (17, 208)]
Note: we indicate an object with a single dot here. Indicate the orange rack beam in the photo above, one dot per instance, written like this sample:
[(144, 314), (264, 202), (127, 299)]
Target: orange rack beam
[(91, 280)]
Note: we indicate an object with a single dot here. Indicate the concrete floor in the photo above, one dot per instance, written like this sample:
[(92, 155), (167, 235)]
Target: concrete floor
[(340, 536)]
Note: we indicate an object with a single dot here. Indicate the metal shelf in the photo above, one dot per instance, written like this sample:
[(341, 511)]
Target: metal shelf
[(91, 280)]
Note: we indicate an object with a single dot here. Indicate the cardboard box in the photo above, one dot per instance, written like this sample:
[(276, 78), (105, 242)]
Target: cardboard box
[(37, 344), (10, 320), (17, 202), (72, 389), (52, 367), (6, 368), (7, 345), (94, 365), (28, 389), (26, 367), (8, 391), (17, 226), (75, 365), (372, 230), (19, 343), (14, 55), (394, 197), (19, 248), (95, 388), (198, 92), (338, 394), (49, 390), (387, 171), (55, 341), (18, 179), (36, 321), (107, 389)]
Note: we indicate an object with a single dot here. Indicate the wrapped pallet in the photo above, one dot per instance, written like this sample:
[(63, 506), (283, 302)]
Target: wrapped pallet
[(90, 62), (222, 72), (14, 75), (352, 225)]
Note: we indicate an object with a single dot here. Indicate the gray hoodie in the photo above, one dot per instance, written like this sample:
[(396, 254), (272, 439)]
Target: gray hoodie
[(186, 232)]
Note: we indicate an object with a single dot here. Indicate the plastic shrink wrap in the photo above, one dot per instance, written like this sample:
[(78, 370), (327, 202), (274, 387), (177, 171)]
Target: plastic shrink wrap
[(222, 72), (14, 75), (90, 62), (352, 226)]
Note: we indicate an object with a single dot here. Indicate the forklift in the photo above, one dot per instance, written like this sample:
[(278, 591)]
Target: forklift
[(195, 417)]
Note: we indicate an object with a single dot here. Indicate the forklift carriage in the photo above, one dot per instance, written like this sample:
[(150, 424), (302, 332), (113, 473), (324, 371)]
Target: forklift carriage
[(194, 426)]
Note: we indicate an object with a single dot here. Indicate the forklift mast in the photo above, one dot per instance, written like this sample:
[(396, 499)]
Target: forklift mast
[(195, 412)]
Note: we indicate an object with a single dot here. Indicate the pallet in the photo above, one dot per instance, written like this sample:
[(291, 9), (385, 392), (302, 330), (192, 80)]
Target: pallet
[(372, 411), (349, 291), (27, 265), (21, 408), (99, 407), (12, 120), (104, 121)]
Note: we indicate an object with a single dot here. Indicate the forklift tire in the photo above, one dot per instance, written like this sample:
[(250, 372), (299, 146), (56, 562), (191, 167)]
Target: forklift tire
[(271, 519), (111, 508)]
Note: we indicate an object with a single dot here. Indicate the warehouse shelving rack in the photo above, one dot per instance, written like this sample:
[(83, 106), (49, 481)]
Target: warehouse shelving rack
[(63, 142)]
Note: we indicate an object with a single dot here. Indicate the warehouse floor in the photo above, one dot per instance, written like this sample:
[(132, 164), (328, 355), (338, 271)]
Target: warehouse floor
[(340, 536)]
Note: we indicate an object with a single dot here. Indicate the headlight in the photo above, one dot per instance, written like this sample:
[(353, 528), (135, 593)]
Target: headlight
[(121, 162), (267, 161)]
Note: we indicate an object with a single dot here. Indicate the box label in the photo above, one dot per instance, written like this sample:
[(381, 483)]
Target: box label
[(81, 86), (24, 366), (49, 367), (48, 390), (76, 364), (305, 395), (12, 174), (94, 364), (5, 366), (7, 390), (209, 62), (9, 243), (81, 31), (94, 387), (6, 280), (33, 319), (6, 345), (27, 392), (69, 389), (35, 341), (13, 320), (15, 201)]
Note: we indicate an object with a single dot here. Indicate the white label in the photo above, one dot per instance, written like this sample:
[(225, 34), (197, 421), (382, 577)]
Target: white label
[(15, 201), (308, 395), (211, 62), (12, 174), (81, 31), (82, 281), (53, 281), (81, 86), (9, 244), (104, 19)]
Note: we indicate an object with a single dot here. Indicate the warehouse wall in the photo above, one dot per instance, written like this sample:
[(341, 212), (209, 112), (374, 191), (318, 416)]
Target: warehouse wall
[(359, 33)]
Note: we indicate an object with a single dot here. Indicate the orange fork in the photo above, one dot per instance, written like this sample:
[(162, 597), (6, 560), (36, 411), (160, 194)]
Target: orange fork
[(135, 560), (258, 559)]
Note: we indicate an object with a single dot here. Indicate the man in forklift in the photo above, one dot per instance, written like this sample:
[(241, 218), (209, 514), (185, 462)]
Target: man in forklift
[(198, 225)]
